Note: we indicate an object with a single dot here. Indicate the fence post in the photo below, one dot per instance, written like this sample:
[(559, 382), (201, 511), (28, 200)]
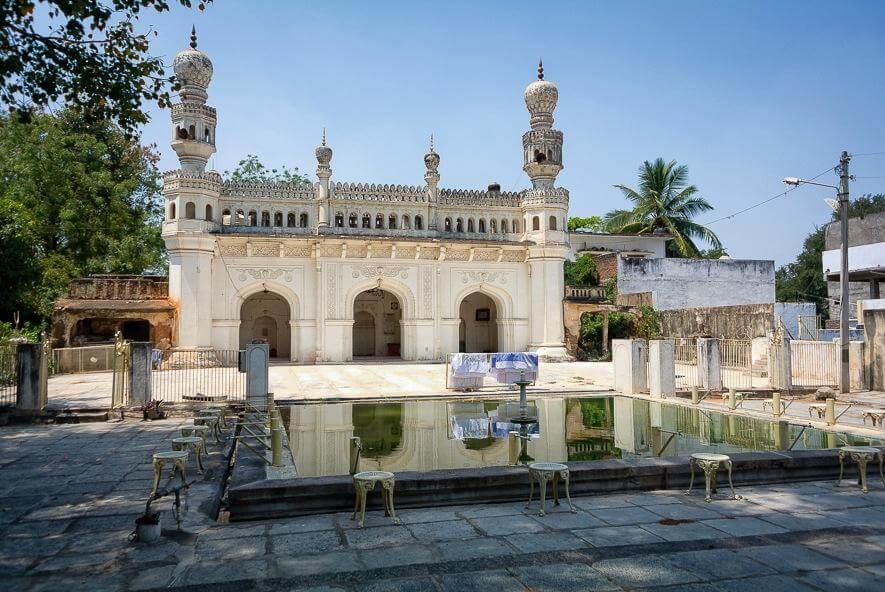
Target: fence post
[(661, 367), (45, 354), (27, 369), (776, 403), (830, 412), (140, 373), (709, 370), (630, 357), (780, 366), (695, 398)]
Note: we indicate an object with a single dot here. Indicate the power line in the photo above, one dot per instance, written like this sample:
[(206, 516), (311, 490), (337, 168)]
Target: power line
[(868, 154), (770, 199)]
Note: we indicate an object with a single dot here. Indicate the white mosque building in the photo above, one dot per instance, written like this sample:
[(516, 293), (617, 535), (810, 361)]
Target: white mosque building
[(334, 271)]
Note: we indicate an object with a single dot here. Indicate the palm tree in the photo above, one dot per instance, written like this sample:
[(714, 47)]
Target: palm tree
[(664, 202)]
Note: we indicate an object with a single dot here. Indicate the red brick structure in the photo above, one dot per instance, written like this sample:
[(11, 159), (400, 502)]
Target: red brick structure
[(606, 265)]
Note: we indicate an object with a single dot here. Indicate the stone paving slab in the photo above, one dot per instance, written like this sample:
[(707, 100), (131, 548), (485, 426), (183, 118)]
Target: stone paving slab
[(805, 536)]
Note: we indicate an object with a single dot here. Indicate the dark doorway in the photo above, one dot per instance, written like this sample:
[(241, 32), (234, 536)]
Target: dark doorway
[(136, 330)]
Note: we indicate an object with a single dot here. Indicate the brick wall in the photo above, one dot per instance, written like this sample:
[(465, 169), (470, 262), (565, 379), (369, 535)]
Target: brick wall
[(606, 266)]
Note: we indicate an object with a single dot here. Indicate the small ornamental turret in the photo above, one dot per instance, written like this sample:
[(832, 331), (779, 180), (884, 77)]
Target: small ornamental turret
[(324, 173), (431, 177), (542, 145), (193, 122)]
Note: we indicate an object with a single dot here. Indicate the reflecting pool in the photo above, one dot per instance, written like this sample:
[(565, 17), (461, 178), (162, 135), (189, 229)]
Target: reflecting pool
[(440, 434)]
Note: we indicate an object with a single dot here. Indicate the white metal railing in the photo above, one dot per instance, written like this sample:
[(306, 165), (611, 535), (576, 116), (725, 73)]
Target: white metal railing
[(814, 363), (178, 374), (8, 380), (91, 358)]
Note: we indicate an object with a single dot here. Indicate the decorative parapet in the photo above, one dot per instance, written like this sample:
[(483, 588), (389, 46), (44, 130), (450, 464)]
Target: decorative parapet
[(378, 192), (180, 110), (119, 287), (268, 190), (174, 181), (478, 198), (545, 196)]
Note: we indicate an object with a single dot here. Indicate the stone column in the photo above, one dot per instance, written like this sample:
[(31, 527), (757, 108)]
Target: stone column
[(661, 367), (190, 285), (547, 333), (256, 360), (855, 365), (780, 367), (140, 373), (709, 375), (630, 357), (27, 371)]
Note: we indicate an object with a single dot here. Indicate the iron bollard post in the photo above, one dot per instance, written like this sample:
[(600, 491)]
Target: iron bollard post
[(695, 399), (776, 404), (276, 447), (830, 412)]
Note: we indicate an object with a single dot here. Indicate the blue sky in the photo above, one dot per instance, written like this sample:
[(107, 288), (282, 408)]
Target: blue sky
[(744, 93)]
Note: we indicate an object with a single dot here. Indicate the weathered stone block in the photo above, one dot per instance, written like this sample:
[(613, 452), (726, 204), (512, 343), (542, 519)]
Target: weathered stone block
[(661, 367), (630, 357)]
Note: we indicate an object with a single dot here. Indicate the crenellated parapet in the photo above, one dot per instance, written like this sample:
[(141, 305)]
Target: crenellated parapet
[(478, 198), (378, 192), (547, 196), (232, 190), (187, 180)]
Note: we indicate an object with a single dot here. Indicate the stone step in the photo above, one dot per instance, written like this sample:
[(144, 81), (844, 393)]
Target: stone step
[(81, 416)]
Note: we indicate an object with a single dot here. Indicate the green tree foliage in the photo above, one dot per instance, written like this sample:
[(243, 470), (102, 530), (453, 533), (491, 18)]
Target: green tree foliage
[(620, 325), (664, 202), (803, 279), (581, 272), (85, 54), (648, 325), (251, 169), (77, 197), (591, 223)]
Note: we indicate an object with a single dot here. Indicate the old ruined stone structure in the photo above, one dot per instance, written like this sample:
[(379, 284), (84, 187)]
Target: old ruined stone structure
[(333, 270), (97, 307)]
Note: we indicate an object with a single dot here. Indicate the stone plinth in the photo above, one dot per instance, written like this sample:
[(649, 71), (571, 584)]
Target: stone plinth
[(630, 357), (139, 373), (779, 364), (661, 367), (709, 375)]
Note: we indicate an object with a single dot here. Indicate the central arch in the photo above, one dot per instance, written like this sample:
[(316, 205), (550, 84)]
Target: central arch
[(264, 317), (478, 330), (377, 328)]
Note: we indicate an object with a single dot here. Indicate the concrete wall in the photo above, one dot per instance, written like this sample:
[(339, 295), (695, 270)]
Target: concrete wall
[(863, 232), (726, 322), (788, 313), (698, 283), (874, 352), (617, 243)]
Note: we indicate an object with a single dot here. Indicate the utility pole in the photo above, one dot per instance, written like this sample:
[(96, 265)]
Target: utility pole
[(844, 378)]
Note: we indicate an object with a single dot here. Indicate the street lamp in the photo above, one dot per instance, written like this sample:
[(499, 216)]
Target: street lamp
[(842, 189)]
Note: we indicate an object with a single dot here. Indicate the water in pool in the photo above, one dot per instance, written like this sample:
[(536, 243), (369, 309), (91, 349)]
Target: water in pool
[(440, 434)]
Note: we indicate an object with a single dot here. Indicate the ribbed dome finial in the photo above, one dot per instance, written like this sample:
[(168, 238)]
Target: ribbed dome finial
[(540, 69), (193, 37)]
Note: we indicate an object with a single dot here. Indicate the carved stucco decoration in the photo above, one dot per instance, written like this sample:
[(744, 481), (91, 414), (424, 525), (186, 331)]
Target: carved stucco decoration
[(232, 250), (380, 251), (406, 252), (427, 289), (258, 273), (330, 293), (330, 251), (485, 255), (304, 250), (455, 255), (380, 271), (485, 277), (429, 254), (265, 249), (513, 256), (357, 251)]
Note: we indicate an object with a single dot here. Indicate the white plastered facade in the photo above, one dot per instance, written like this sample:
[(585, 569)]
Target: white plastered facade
[(318, 247)]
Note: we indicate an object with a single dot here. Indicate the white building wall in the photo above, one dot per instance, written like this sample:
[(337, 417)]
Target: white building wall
[(617, 243), (698, 283)]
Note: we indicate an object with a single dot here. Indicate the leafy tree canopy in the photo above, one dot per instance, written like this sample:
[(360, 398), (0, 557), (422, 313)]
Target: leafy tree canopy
[(665, 202), (803, 279), (581, 272), (591, 223), (85, 54), (251, 169), (77, 197)]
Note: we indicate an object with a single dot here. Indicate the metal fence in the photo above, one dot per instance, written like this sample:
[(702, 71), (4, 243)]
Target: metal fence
[(92, 358), (686, 357), (814, 363), (180, 374), (736, 365), (8, 379)]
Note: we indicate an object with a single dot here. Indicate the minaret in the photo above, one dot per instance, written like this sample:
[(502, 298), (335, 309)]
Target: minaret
[(542, 145), (324, 173), (193, 122), (545, 210), (192, 194), (431, 177)]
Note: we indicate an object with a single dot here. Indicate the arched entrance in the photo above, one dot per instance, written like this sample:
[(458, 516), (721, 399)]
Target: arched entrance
[(376, 328), (265, 317), (478, 330)]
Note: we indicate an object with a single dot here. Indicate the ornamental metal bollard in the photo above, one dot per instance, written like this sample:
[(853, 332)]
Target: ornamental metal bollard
[(276, 447), (830, 412)]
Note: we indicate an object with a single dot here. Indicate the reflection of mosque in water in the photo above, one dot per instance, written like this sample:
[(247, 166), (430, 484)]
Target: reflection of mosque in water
[(422, 436)]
